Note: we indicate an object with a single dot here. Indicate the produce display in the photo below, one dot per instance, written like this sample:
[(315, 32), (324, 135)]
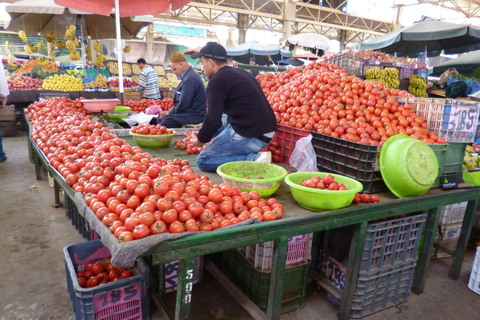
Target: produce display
[(141, 106), (383, 57), (99, 82), (471, 159), (63, 83), (49, 66), (133, 193), (418, 86), (328, 182), (114, 82), (187, 145), (325, 99), (24, 83), (166, 83), (387, 76), (148, 129), (96, 273)]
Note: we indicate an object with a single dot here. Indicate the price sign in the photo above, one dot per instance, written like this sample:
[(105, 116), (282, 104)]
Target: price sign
[(115, 297), (188, 287), (463, 118), (354, 63), (334, 273), (171, 275)]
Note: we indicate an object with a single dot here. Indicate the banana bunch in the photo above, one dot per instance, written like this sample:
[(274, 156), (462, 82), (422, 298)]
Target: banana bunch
[(11, 64), (390, 78), (71, 45), (127, 49), (30, 48), (23, 35), (97, 46), (60, 44), (88, 49), (74, 55), (41, 45), (42, 61), (88, 56), (471, 159), (100, 60), (50, 37), (8, 44), (374, 73), (417, 86), (70, 31)]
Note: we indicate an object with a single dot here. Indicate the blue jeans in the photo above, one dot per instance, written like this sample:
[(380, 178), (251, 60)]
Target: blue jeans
[(228, 146), (2, 153)]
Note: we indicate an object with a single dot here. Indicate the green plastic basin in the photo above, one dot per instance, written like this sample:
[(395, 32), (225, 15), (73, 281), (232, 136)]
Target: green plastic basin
[(244, 176), (152, 141), (320, 199), (409, 167), (120, 112)]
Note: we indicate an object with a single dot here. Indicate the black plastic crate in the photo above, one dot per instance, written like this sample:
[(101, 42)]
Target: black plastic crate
[(352, 64)]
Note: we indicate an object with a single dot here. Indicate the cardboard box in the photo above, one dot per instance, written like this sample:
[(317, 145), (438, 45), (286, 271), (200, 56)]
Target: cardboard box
[(7, 113)]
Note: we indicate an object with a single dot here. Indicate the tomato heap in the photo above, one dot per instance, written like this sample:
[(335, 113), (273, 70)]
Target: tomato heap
[(149, 129), (366, 198), (186, 143), (133, 193), (141, 106), (325, 99), (276, 149), (328, 182), (96, 273)]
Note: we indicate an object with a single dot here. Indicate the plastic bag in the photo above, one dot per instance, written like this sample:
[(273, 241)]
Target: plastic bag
[(138, 118), (154, 110), (303, 157)]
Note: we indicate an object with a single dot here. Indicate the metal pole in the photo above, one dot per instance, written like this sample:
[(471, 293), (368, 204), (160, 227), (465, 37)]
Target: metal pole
[(119, 49), (82, 41)]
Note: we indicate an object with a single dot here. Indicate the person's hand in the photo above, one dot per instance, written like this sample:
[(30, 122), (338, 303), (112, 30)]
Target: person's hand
[(163, 114), (195, 141)]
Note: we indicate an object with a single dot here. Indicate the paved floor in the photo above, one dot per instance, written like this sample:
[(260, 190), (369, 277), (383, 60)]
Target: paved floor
[(33, 286)]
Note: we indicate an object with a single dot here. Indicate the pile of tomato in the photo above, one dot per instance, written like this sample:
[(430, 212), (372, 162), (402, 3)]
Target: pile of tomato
[(187, 145), (133, 193), (366, 198), (141, 106), (324, 98), (96, 273), (149, 129), (328, 182)]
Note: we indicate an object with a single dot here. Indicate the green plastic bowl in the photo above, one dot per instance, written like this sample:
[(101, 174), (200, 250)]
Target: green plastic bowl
[(409, 167), (120, 112), (152, 141), (244, 176), (321, 199)]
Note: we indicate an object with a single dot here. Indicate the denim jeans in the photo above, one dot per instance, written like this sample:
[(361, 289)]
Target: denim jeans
[(2, 153), (228, 146)]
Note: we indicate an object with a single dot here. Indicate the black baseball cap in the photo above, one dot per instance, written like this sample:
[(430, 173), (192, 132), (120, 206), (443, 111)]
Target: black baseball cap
[(212, 50)]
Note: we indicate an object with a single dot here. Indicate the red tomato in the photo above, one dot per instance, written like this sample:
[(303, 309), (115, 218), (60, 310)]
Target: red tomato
[(365, 198), (374, 198)]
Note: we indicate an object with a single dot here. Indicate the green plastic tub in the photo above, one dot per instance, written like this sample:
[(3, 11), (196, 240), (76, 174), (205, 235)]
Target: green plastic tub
[(120, 112), (455, 155), (152, 141), (440, 151), (245, 175), (320, 199)]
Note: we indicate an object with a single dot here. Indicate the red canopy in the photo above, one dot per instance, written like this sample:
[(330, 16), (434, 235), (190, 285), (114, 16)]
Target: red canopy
[(127, 8)]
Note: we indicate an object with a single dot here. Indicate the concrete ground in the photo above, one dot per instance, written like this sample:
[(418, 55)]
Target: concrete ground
[(32, 269)]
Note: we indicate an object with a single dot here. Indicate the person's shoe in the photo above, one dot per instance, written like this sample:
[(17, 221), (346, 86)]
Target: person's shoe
[(265, 157), (3, 159)]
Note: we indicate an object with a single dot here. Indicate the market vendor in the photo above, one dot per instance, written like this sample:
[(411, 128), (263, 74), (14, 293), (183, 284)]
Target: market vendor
[(446, 75), (190, 101), (253, 62), (148, 81), (239, 116)]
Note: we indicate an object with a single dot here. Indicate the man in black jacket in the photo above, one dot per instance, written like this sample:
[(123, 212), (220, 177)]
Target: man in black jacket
[(238, 116)]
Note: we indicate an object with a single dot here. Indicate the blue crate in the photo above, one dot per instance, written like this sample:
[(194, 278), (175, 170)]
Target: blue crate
[(124, 299)]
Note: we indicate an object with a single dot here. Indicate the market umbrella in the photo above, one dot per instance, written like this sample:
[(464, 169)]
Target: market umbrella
[(261, 52), (291, 61), (123, 8), (430, 37), (464, 64), (317, 42)]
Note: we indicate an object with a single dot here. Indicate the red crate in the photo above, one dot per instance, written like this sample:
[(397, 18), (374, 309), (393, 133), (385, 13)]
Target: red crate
[(287, 137)]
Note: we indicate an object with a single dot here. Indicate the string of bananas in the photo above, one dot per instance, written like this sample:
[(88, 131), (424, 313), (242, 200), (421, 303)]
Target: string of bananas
[(417, 86), (42, 61), (89, 56), (88, 49), (60, 44), (8, 44), (30, 48), (51, 37), (100, 60), (70, 32), (74, 55), (97, 46), (41, 45), (11, 64), (71, 45), (127, 49), (23, 35)]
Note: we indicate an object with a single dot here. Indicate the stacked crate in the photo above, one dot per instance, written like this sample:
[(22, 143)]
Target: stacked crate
[(386, 268), (8, 122), (449, 227)]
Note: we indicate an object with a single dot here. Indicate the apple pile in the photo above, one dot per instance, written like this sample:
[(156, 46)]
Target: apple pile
[(24, 83), (127, 83)]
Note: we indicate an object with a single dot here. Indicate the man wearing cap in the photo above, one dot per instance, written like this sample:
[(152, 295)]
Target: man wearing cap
[(248, 124), (148, 81), (190, 102), (253, 62)]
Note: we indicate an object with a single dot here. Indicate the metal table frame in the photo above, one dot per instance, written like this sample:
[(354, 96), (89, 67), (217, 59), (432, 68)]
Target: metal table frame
[(187, 248)]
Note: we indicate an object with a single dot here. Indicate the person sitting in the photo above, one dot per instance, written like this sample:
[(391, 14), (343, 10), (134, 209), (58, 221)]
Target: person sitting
[(239, 115), (190, 102)]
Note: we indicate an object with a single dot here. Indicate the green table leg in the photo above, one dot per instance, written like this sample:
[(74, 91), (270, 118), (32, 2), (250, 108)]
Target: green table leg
[(463, 240), (185, 289), (351, 277), (427, 248), (36, 160), (56, 190), (275, 296)]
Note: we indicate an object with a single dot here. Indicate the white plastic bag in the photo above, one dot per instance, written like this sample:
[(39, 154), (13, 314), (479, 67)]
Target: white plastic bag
[(138, 118), (303, 157)]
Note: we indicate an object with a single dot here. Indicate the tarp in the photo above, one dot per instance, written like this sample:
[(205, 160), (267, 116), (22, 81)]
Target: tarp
[(464, 64), (243, 52), (435, 35)]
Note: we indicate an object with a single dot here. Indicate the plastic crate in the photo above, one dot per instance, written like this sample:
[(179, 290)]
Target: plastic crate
[(454, 159), (474, 282), (261, 254), (131, 95), (391, 242), (449, 232), (256, 284), (453, 213), (164, 277), (405, 72), (90, 72), (124, 299), (287, 137), (352, 64), (454, 120), (422, 72)]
